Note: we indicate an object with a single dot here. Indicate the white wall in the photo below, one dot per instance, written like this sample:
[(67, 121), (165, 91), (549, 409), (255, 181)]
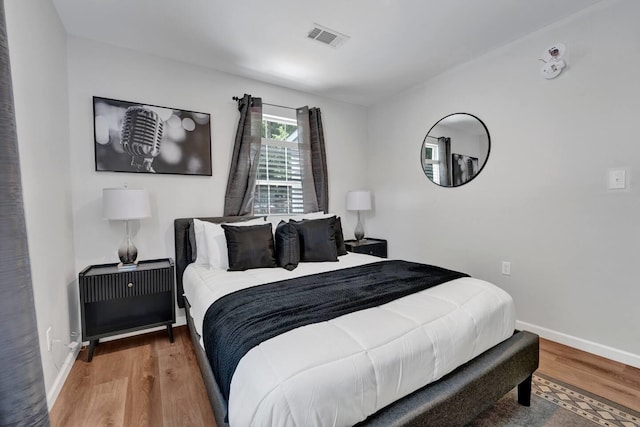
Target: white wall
[(38, 54), (107, 71), (541, 201)]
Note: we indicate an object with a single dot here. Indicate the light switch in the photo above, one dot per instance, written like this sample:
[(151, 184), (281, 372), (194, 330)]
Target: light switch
[(617, 179), (506, 268)]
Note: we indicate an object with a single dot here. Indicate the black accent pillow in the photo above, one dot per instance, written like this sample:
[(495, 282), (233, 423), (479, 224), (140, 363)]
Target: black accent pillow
[(249, 246), (317, 239), (337, 229), (287, 246)]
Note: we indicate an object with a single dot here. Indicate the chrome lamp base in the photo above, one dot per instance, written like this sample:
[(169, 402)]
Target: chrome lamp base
[(127, 251), (359, 231)]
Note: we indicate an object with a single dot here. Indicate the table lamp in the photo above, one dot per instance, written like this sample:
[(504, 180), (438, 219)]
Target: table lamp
[(126, 204), (359, 201)]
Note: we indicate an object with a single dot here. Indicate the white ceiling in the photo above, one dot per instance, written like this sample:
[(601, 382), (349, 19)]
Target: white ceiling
[(394, 44)]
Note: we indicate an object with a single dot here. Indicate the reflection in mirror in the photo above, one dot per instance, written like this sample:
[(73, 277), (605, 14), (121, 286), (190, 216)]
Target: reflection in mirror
[(455, 150)]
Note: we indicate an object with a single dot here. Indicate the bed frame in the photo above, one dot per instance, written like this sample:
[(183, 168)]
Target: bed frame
[(454, 400)]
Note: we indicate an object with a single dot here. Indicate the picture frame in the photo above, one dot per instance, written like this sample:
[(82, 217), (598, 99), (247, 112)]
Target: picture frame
[(145, 138), (464, 168)]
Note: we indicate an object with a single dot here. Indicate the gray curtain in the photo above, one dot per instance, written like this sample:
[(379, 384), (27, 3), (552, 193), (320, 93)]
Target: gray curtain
[(22, 393), (241, 184), (313, 159), (444, 153)]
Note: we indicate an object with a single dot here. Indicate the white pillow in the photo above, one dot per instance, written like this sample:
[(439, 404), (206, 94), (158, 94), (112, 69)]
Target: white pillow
[(216, 242), (201, 243), (275, 219)]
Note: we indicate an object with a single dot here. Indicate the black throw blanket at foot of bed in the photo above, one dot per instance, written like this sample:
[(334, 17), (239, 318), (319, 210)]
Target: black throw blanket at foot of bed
[(239, 321)]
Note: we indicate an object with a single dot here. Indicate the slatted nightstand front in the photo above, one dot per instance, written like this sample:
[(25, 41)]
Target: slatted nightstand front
[(115, 301)]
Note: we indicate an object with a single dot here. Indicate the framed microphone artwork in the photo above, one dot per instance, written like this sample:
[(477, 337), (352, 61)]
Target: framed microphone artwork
[(144, 138)]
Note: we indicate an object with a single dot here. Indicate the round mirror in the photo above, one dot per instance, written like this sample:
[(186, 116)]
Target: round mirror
[(455, 150)]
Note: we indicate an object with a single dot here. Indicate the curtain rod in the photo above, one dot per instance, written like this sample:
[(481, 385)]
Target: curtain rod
[(235, 98)]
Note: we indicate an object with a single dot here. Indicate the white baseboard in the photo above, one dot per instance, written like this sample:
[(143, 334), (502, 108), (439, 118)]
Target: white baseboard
[(180, 321), (65, 370), (53, 393), (582, 344)]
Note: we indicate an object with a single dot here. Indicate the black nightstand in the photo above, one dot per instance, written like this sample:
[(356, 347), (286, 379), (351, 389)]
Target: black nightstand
[(115, 300), (375, 247)]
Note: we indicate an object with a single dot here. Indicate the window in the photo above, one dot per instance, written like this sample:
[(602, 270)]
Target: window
[(279, 181), (432, 162)]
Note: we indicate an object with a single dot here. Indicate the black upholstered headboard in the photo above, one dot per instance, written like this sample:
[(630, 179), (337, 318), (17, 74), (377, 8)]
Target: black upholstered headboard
[(181, 227)]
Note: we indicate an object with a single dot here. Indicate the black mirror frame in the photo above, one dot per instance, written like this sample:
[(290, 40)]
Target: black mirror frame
[(479, 170)]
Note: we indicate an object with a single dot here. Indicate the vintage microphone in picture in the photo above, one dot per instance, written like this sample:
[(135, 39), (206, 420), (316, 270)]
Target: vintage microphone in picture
[(141, 136)]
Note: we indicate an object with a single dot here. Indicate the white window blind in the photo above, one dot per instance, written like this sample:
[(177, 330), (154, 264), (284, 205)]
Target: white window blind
[(279, 181), (432, 162)]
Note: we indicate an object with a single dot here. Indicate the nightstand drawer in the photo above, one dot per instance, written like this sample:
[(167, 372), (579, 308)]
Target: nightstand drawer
[(103, 287), (375, 247), (377, 251)]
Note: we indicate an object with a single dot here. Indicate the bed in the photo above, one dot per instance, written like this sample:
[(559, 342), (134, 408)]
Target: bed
[(455, 398)]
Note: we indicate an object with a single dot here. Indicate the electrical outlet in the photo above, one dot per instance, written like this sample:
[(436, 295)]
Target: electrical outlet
[(617, 179), (49, 341), (506, 268)]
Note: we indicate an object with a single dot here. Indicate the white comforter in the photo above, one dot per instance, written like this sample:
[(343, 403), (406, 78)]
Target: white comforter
[(337, 373)]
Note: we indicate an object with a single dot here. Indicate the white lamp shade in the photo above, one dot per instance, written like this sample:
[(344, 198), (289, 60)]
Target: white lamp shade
[(125, 203), (358, 200)]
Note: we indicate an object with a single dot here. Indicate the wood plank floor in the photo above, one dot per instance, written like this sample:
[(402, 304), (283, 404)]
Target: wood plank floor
[(612, 380), (146, 381), (137, 381)]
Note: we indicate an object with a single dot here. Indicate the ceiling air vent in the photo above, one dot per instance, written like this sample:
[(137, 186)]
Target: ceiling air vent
[(327, 36)]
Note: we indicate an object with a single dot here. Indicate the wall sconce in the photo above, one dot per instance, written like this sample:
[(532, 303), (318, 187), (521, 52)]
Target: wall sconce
[(553, 64)]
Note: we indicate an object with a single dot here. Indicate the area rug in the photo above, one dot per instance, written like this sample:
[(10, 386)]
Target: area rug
[(556, 404)]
